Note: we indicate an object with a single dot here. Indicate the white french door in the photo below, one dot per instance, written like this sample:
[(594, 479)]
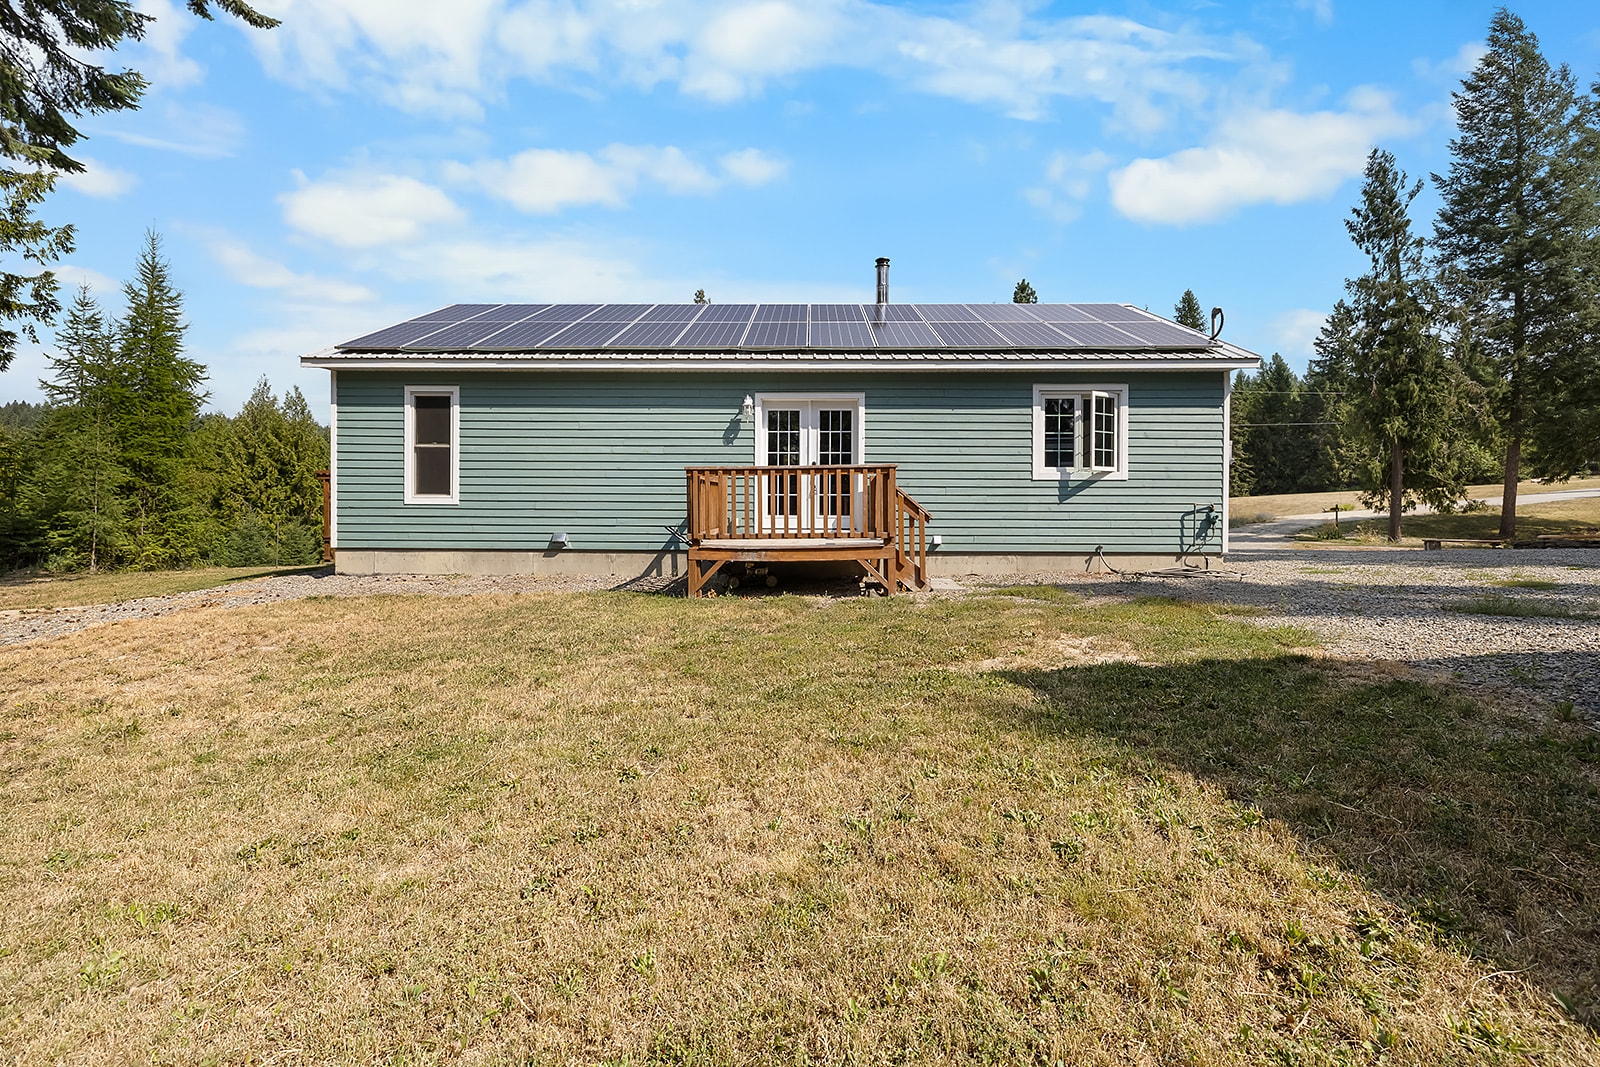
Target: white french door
[(794, 432)]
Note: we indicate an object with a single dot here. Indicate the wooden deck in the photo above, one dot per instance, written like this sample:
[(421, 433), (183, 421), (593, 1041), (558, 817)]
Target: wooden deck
[(796, 514)]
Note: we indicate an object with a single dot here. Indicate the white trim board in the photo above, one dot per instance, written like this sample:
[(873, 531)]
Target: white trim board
[(454, 393)]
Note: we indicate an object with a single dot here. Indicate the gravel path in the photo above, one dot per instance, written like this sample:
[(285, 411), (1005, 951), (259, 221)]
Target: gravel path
[(1388, 604), (1379, 604)]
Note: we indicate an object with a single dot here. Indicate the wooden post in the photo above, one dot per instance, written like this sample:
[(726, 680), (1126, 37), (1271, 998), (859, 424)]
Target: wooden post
[(326, 478)]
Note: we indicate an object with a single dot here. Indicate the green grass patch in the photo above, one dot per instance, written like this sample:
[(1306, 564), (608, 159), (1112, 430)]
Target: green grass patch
[(1517, 607), (621, 828), (1566, 518), (1525, 583)]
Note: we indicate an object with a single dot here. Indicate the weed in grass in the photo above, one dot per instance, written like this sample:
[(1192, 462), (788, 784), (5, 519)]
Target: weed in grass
[(1516, 607), (1526, 583)]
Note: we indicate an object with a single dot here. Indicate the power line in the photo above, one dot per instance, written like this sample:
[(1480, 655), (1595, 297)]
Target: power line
[(1257, 425)]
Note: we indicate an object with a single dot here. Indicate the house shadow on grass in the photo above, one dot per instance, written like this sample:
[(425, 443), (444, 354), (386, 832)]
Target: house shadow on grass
[(1480, 824)]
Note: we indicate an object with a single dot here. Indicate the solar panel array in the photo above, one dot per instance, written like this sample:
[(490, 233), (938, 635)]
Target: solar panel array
[(492, 328)]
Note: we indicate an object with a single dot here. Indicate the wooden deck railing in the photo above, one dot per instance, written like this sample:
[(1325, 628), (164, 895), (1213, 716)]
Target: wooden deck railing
[(837, 510)]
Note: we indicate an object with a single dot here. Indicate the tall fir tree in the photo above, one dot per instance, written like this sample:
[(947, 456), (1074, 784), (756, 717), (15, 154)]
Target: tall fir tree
[(84, 478), (1187, 312), (161, 399), (1403, 403), (270, 455), (1512, 235), (1024, 294)]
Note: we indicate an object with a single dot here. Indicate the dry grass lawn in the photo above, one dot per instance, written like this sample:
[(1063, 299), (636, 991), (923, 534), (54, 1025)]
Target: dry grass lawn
[(1278, 506), (634, 829), (1562, 518), (30, 589)]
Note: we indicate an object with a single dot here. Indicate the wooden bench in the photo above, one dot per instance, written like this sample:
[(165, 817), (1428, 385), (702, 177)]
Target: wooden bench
[(1435, 544)]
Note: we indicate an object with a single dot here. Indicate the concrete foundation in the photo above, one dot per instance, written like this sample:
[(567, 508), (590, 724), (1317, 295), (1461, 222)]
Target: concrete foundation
[(672, 564)]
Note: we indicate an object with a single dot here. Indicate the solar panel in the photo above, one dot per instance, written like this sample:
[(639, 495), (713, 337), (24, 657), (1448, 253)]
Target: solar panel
[(891, 313), (527, 334), (968, 335), (905, 335), (619, 312), (711, 335), (781, 313), (1030, 335), (776, 335), (1163, 334), (1062, 313), (647, 335), (672, 313), (947, 313), (567, 312), (455, 313), (510, 312), (586, 334), (460, 335), (1096, 335), (390, 336), (836, 313), (841, 335), (1003, 312), (727, 313), (1111, 312)]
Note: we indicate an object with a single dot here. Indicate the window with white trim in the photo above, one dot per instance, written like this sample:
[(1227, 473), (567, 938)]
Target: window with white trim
[(433, 454), (1080, 431)]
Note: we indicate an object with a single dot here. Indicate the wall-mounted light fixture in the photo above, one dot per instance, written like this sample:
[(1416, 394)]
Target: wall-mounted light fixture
[(747, 410), (559, 539)]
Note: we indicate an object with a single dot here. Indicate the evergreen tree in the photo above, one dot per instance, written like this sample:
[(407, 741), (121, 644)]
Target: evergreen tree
[(270, 456), (1329, 401), (84, 478), (700, 297), (1403, 398), (1024, 294), (161, 399), (1187, 312), (1512, 234)]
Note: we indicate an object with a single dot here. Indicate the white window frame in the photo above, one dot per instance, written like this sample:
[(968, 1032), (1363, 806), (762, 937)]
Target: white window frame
[(1082, 432), (454, 393), (778, 400)]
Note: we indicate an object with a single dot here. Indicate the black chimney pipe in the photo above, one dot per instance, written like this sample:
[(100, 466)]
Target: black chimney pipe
[(883, 279)]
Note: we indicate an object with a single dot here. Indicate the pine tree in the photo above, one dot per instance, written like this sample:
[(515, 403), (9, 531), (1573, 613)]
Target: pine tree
[(1511, 234), (270, 455), (1403, 397), (1187, 312), (84, 478), (1024, 294), (161, 399), (700, 297)]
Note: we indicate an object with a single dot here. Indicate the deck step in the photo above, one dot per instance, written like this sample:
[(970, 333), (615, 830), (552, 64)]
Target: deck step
[(791, 544)]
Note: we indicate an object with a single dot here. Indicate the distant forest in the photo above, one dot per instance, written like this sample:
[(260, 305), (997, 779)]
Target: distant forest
[(119, 469)]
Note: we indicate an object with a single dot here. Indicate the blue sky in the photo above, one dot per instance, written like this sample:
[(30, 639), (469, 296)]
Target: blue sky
[(372, 159)]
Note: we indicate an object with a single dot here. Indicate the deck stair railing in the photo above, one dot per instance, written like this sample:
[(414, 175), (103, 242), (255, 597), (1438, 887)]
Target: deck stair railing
[(854, 511)]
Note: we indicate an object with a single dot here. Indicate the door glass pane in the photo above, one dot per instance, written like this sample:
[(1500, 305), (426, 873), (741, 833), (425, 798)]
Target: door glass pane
[(1060, 450), (836, 440), (783, 450)]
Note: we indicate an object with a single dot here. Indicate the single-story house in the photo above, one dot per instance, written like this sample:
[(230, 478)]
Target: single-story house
[(916, 438)]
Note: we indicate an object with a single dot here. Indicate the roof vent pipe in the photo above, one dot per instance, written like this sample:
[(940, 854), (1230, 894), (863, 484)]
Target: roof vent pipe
[(1216, 323), (883, 279)]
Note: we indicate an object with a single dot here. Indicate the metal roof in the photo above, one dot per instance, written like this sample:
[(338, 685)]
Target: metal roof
[(795, 336)]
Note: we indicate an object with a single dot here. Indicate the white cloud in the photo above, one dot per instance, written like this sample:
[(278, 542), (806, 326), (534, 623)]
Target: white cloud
[(201, 130), (546, 180), (1279, 157), (71, 276), (751, 166), (1293, 331), (162, 61), (450, 58), (1067, 182), (100, 180), (1321, 10), (1464, 62), (245, 265), (364, 211)]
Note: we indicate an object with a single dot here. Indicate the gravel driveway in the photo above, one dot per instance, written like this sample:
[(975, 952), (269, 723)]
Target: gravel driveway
[(1379, 604)]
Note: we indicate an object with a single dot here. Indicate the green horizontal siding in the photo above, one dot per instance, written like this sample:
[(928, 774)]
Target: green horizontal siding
[(601, 457)]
